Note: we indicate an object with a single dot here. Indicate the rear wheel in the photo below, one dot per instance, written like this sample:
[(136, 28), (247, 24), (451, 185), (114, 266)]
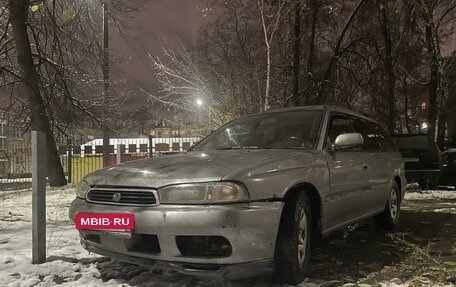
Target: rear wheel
[(293, 240), (389, 218)]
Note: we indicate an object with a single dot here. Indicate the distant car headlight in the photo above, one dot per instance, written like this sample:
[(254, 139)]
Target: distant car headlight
[(81, 189), (203, 193)]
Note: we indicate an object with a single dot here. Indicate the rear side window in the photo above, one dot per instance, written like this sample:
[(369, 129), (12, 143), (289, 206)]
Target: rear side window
[(370, 140), (383, 138)]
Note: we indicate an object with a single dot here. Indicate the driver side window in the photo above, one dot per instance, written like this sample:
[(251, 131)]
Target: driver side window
[(339, 125)]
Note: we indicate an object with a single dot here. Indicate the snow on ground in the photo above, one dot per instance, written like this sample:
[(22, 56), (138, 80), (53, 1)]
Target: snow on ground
[(431, 194), (441, 201), (63, 248), (68, 264)]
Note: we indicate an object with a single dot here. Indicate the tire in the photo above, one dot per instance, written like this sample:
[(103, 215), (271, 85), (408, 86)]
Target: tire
[(389, 218), (292, 251)]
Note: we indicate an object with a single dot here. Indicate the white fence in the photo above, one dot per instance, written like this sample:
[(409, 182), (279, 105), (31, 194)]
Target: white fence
[(139, 145)]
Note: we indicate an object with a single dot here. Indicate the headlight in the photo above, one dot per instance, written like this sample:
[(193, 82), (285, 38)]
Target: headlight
[(203, 193), (81, 189)]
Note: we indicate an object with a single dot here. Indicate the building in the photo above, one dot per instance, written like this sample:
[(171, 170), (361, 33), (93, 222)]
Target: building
[(162, 129)]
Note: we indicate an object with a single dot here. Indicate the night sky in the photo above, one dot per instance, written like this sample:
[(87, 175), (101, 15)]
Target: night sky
[(165, 23), (159, 23)]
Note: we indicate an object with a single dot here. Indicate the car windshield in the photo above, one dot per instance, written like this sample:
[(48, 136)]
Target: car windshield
[(280, 130)]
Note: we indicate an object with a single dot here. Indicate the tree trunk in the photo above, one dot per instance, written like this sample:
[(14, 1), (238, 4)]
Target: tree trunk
[(268, 37), (39, 120), (310, 60), (268, 77), (441, 128), (106, 151), (406, 107), (433, 86), (388, 65), (296, 52), (451, 103)]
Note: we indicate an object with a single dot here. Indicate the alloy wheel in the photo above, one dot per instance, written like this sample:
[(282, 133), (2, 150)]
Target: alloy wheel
[(393, 204), (302, 237)]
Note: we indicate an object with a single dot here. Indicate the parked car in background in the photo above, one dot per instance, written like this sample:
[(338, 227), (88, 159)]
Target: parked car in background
[(248, 199), (422, 158), (448, 177)]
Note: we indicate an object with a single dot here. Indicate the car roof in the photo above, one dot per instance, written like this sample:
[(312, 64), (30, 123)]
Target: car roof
[(331, 108)]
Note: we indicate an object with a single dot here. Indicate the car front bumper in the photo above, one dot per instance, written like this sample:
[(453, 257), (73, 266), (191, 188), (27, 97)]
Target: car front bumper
[(250, 228)]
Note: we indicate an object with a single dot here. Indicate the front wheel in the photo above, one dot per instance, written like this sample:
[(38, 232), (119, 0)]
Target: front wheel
[(389, 218), (293, 240)]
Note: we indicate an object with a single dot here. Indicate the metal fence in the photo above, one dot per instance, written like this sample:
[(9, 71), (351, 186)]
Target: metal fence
[(83, 157), (15, 161)]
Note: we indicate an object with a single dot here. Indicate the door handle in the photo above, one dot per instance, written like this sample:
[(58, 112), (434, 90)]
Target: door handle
[(365, 166)]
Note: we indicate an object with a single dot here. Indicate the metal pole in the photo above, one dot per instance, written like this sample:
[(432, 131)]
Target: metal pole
[(39, 168), (105, 81)]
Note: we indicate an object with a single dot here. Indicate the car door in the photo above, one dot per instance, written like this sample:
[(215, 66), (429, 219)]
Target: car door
[(377, 168), (347, 175), (391, 158)]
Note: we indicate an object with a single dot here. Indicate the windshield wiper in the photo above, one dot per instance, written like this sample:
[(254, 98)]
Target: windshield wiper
[(238, 147)]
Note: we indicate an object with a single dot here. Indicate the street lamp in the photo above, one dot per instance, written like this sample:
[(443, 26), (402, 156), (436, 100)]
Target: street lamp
[(199, 102), (424, 126)]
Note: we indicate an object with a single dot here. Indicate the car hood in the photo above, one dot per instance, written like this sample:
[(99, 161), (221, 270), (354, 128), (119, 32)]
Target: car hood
[(197, 167)]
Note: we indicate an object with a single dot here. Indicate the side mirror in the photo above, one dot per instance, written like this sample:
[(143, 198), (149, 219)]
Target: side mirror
[(349, 140)]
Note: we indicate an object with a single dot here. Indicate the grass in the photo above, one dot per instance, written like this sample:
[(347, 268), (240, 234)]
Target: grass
[(422, 267)]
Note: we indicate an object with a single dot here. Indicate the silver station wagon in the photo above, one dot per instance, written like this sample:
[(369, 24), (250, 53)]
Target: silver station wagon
[(250, 198)]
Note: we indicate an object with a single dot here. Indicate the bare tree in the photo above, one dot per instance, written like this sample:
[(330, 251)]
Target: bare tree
[(252, 58), (384, 22), (297, 39), (269, 30), (438, 20), (321, 96), (30, 79)]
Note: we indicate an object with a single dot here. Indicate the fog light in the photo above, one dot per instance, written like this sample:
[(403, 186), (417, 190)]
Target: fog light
[(203, 246)]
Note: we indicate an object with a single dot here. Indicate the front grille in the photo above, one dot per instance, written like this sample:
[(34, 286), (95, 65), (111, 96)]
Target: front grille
[(123, 196)]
